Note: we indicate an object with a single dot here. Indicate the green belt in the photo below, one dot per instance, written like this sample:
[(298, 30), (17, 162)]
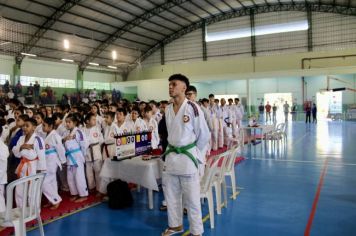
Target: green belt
[(182, 150)]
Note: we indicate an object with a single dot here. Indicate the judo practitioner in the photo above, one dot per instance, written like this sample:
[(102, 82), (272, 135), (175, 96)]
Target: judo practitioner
[(188, 134)]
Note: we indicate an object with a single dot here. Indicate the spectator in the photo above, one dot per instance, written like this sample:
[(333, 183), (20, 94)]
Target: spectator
[(18, 89), (294, 112), (10, 94), (268, 112), (6, 86), (93, 95), (274, 115), (307, 113), (261, 110), (65, 99), (314, 111), (114, 96), (36, 90), (286, 111)]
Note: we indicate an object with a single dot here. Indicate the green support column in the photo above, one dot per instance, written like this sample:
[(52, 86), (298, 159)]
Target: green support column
[(79, 80), (16, 74)]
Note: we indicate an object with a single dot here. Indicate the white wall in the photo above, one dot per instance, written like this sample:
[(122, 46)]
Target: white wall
[(48, 69), (98, 76), (6, 65)]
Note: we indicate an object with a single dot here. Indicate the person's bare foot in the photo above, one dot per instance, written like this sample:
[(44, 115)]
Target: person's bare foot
[(55, 206), (81, 199), (73, 198)]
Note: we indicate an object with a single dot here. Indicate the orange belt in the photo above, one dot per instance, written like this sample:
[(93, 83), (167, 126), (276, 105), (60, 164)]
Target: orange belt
[(24, 161)]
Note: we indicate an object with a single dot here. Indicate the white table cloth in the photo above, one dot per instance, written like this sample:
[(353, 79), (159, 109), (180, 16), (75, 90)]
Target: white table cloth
[(135, 170)]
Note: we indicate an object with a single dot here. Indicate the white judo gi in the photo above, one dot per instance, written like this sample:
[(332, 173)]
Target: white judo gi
[(93, 158), (228, 120), (55, 157), (40, 132), (239, 114), (180, 175), (99, 121), (138, 125), (76, 149), (4, 154), (109, 147), (5, 133), (153, 127), (61, 130), (215, 128), (32, 160), (157, 116)]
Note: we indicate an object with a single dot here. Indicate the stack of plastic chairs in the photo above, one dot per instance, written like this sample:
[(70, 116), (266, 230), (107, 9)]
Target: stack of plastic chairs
[(219, 180), (230, 169), (207, 183)]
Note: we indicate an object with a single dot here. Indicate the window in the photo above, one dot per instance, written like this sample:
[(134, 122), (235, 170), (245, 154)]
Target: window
[(97, 85), (44, 82), (3, 78), (258, 31)]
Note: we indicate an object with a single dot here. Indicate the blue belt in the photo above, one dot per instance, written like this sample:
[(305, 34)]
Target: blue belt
[(50, 151), (71, 158)]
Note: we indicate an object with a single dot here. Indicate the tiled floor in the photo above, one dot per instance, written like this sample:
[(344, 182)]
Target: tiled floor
[(279, 189)]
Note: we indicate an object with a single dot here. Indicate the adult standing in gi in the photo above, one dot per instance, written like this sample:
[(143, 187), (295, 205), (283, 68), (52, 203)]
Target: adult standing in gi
[(188, 134)]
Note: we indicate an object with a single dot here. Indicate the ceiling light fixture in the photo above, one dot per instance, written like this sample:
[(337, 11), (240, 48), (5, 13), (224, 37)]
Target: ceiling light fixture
[(67, 60), (4, 43), (112, 67), (66, 43), (28, 54), (93, 64), (114, 55)]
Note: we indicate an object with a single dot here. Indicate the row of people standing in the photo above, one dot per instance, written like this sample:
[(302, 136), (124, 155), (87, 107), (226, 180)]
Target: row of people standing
[(73, 141)]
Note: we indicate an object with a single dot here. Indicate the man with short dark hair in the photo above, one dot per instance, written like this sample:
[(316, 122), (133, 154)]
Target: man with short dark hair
[(188, 134)]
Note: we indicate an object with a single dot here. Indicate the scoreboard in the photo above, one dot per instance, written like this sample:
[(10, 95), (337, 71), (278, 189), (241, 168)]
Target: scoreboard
[(133, 144)]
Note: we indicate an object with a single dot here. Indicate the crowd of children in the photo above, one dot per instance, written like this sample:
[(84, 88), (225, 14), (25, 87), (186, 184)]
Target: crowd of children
[(70, 143)]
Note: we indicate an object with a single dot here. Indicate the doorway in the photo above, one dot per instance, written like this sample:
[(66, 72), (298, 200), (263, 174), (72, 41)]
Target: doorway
[(329, 104)]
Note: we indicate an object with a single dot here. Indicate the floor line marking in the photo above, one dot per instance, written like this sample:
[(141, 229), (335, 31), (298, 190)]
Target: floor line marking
[(316, 199), (64, 216), (311, 162), (300, 139)]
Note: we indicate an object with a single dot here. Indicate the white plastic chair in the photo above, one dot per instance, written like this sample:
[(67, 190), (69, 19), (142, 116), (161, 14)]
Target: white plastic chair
[(241, 139), (230, 169), (278, 135), (219, 180), (206, 185), (31, 201)]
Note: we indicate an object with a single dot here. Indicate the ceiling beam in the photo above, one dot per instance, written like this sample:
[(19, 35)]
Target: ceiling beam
[(144, 9), (213, 5), (245, 11), (132, 14), (202, 9), (83, 27), (172, 12), (122, 30), (45, 26), (92, 18), (227, 4), (68, 33), (116, 18)]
